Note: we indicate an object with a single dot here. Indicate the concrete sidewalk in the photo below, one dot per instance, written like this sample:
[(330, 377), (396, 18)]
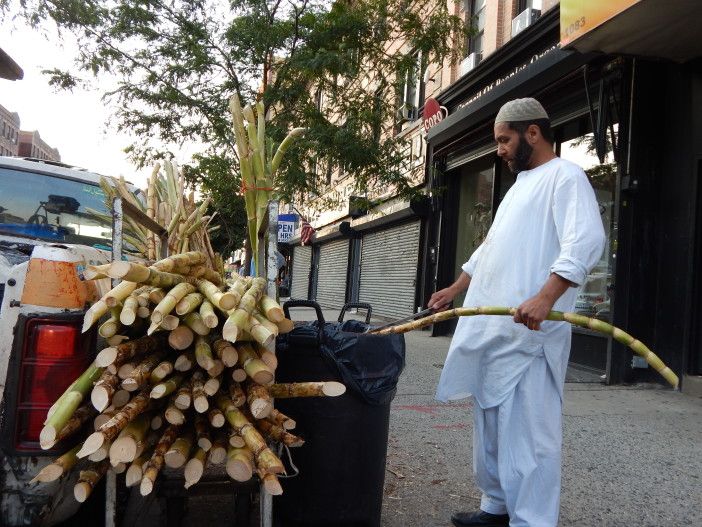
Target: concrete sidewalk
[(632, 455)]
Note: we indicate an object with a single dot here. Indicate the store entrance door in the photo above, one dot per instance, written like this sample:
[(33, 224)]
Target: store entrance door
[(467, 216)]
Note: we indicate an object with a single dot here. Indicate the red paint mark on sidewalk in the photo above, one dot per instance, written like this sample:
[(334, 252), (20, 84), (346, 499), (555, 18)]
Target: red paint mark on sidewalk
[(424, 409), (430, 409), (455, 426)]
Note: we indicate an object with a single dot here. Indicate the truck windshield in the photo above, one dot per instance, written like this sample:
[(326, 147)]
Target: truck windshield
[(51, 208)]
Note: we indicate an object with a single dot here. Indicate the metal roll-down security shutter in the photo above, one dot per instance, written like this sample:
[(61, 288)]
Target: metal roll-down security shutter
[(302, 260), (389, 270), (331, 275)]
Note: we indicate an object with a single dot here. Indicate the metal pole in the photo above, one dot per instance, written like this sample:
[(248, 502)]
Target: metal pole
[(110, 499), (272, 262), (117, 231), (266, 500), (164, 245)]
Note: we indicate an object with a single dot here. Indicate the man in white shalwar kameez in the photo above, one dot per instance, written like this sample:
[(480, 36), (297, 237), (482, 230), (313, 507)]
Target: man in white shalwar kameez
[(545, 238)]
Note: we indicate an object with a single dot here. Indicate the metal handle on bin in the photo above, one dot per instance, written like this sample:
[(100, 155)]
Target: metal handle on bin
[(304, 303), (356, 305)]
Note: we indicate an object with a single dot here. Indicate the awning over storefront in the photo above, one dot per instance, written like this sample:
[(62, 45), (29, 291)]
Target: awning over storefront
[(542, 70), (649, 28), (9, 69)]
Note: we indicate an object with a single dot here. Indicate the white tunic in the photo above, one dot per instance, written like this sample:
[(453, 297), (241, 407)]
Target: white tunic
[(548, 222)]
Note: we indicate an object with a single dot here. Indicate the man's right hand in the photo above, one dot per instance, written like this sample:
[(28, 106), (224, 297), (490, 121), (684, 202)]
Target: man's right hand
[(442, 299)]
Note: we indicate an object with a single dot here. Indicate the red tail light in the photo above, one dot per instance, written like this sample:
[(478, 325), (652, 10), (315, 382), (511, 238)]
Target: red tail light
[(54, 354)]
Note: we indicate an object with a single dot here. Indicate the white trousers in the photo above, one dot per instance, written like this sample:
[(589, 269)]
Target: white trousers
[(517, 451)]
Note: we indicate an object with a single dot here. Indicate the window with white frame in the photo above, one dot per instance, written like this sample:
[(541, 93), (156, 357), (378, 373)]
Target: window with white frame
[(319, 99), (528, 4), (475, 14), (411, 92)]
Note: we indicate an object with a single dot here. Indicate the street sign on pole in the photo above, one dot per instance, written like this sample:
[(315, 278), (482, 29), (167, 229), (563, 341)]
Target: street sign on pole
[(286, 227)]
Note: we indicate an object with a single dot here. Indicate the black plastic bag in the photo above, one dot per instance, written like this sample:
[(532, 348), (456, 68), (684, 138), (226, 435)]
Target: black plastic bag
[(369, 364)]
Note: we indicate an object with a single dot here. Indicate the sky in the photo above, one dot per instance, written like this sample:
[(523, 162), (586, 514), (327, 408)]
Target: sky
[(74, 122)]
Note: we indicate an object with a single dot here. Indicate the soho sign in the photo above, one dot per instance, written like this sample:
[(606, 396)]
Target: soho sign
[(434, 113)]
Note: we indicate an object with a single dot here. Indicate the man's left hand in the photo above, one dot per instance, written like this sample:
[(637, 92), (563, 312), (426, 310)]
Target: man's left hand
[(533, 312)]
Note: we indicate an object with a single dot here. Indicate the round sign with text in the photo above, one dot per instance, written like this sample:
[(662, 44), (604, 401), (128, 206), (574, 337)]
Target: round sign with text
[(433, 113)]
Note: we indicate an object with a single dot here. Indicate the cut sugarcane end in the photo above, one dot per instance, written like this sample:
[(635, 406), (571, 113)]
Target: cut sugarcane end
[(228, 301), (158, 391), (100, 454), (174, 459), (193, 472), (81, 491), (47, 437), (124, 449), (174, 416), (201, 405), (120, 398), (131, 385), (333, 389), (127, 318), (47, 474), (239, 470), (106, 357), (230, 331), (239, 375), (181, 338), (134, 475), (237, 441), (146, 487), (119, 268), (261, 408), (216, 369), (266, 377), (100, 398), (272, 485), (91, 445)]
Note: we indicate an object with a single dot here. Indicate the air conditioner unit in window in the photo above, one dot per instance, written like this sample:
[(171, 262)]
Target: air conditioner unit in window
[(524, 20), (407, 112), (470, 62)]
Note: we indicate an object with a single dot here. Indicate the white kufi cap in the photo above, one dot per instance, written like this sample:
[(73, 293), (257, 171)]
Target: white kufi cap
[(527, 109)]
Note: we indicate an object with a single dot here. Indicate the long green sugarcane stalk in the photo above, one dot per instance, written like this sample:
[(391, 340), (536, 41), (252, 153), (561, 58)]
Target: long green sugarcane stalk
[(257, 165), (579, 320), (68, 402)]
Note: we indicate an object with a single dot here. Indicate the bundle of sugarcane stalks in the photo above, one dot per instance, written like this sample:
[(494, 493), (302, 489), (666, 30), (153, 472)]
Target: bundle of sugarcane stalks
[(187, 380), (169, 205), (258, 165)]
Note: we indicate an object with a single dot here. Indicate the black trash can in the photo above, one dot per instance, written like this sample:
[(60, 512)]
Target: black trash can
[(342, 463)]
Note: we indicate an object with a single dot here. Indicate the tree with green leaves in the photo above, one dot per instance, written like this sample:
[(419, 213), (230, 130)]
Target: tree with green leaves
[(174, 64)]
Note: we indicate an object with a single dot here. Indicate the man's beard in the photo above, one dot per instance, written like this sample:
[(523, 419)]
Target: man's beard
[(522, 156)]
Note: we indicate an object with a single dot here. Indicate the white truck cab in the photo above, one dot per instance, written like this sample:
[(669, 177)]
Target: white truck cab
[(47, 238)]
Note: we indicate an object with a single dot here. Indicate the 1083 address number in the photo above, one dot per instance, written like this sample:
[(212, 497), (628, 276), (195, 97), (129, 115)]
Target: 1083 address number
[(575, 26)]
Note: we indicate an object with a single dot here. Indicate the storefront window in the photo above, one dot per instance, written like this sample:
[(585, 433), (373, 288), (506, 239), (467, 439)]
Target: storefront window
[(596, 297), (474, 210)]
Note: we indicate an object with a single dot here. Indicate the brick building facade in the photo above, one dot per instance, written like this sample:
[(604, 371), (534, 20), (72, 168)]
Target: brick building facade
[(9, 132), (32, 145)]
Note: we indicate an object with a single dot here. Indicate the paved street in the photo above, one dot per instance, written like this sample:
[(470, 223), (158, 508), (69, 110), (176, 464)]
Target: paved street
[(632, 456)]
